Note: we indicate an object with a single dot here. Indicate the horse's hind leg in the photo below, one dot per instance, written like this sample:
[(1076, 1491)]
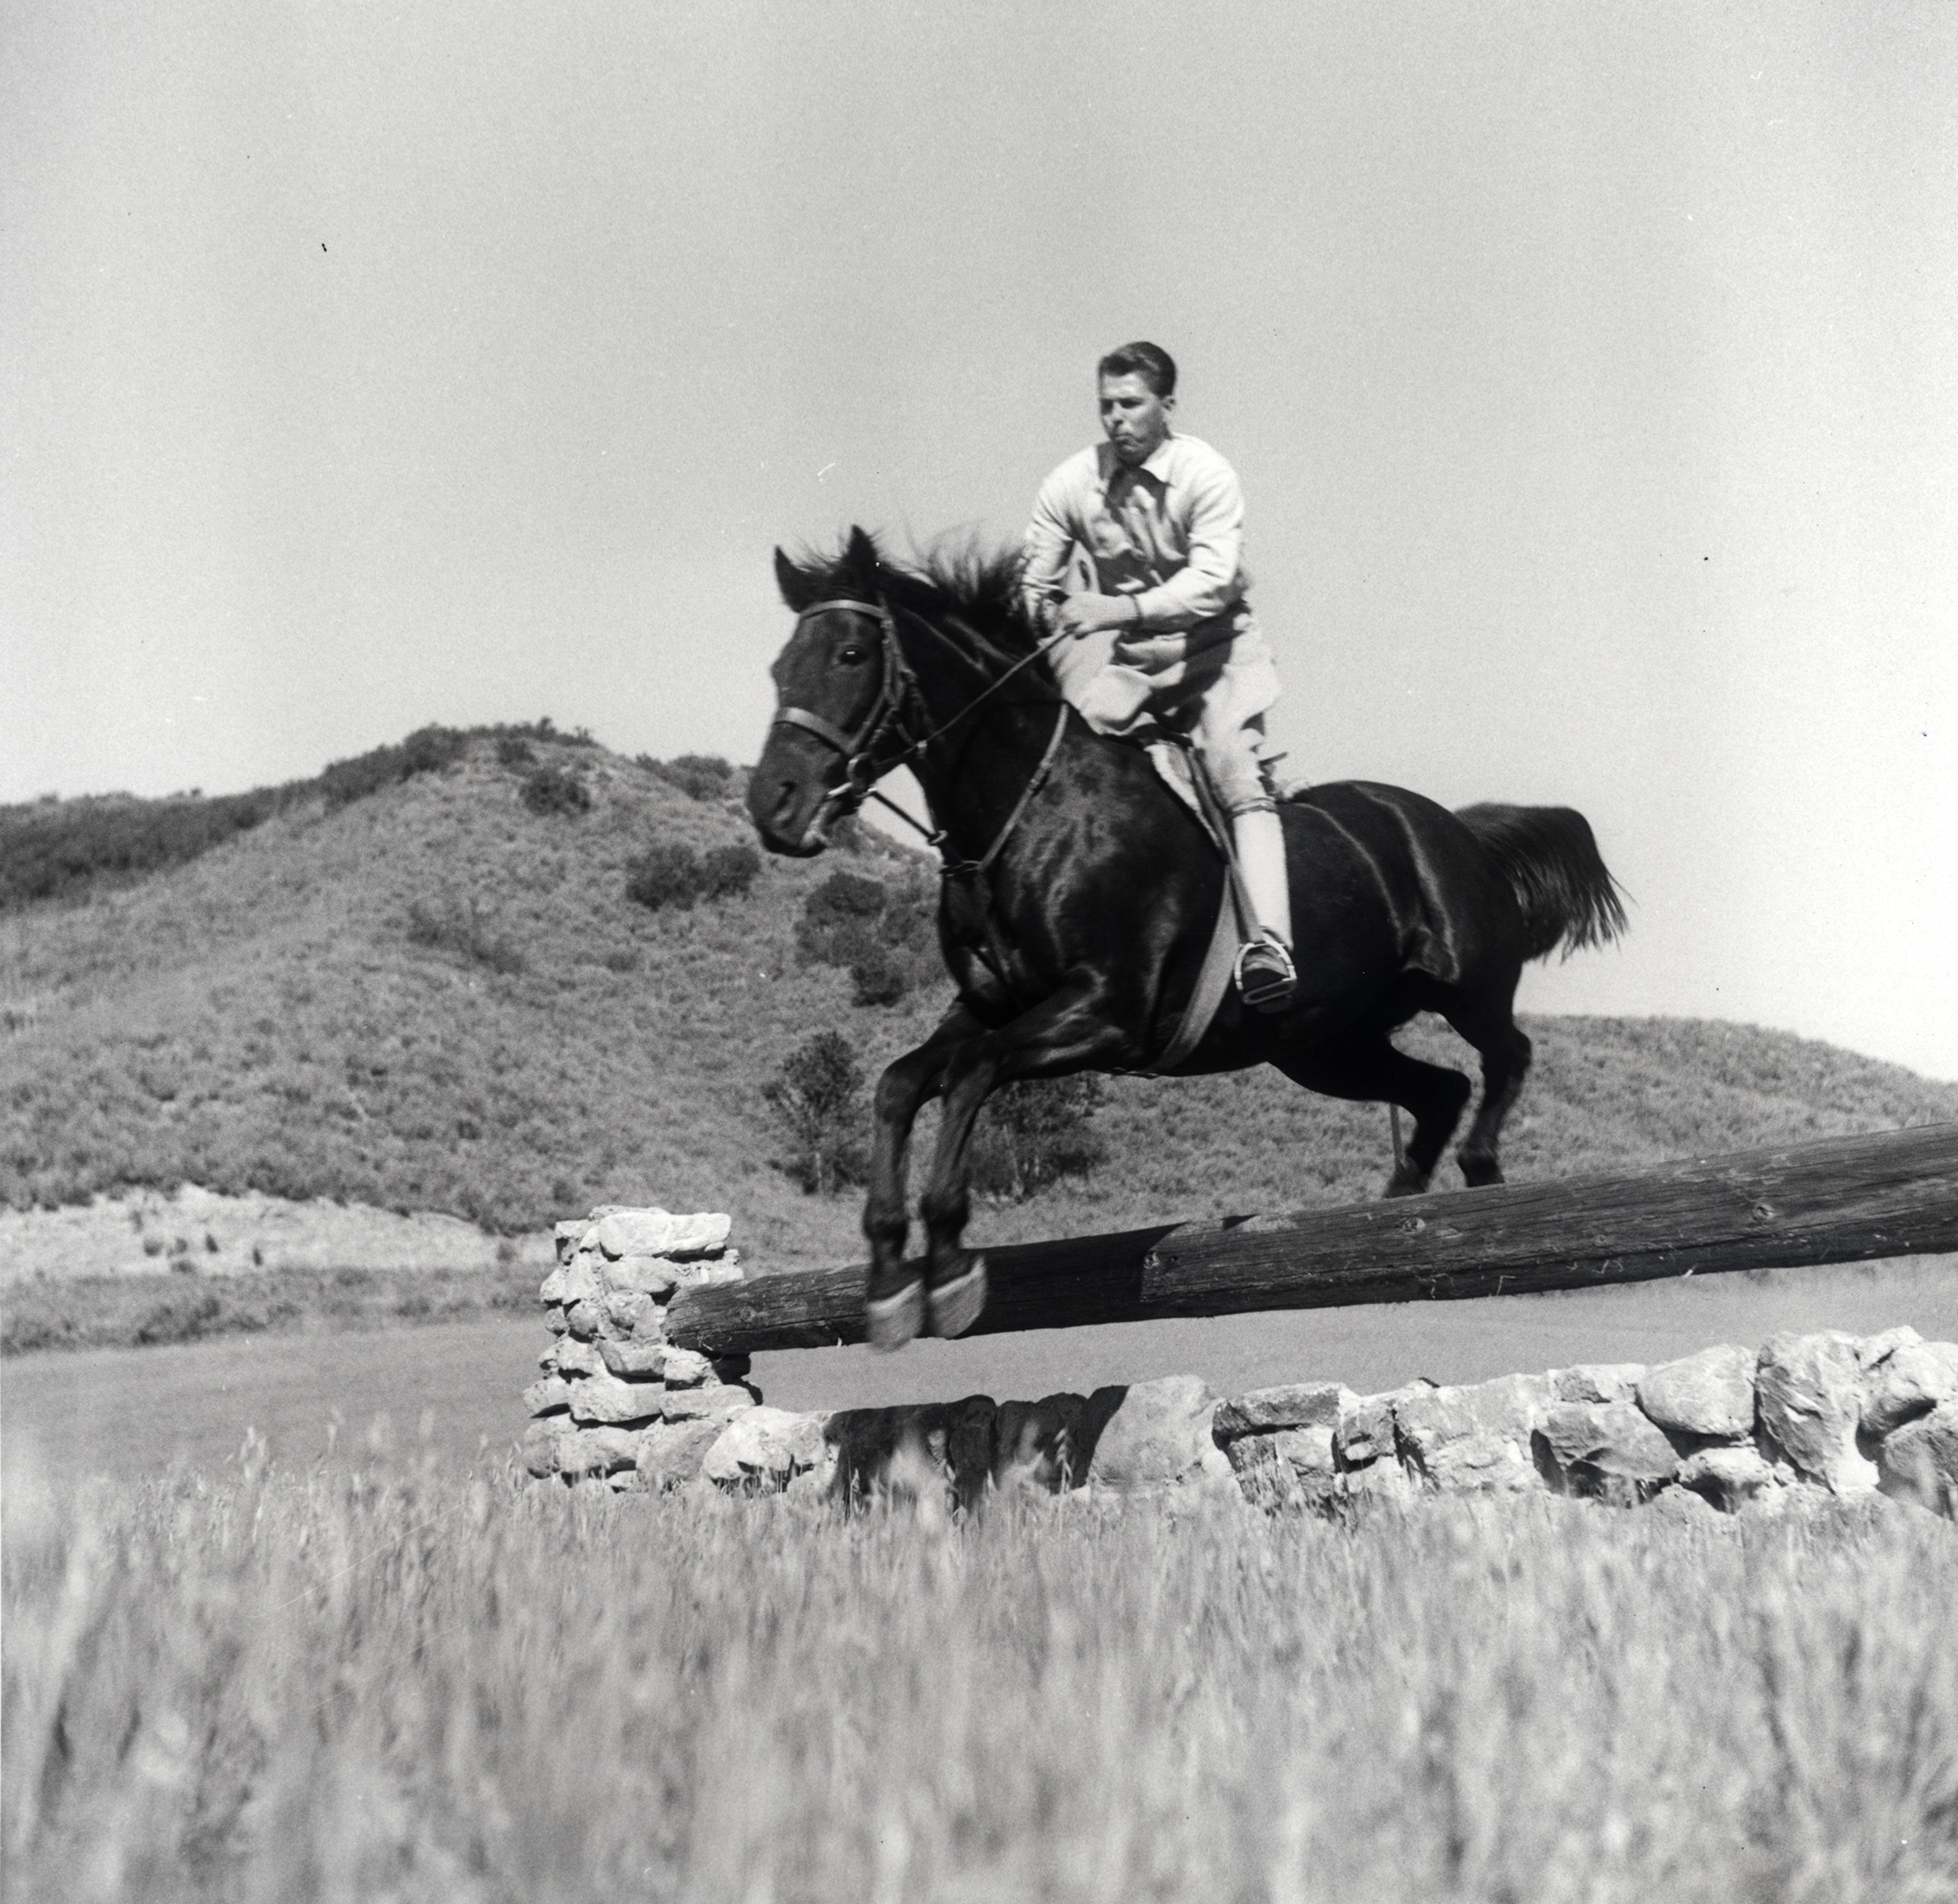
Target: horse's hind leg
[(1506, 1064), (1364, 1068)]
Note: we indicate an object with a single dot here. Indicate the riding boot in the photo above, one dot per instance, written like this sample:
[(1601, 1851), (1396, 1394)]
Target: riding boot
[(1266, 975)]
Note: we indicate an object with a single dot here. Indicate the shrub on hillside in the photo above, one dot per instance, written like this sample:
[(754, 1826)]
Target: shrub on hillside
[(538, 730), (663, 875), (670, 874), (817, 1098), (514, 751), (461, 925), (884, 935), (57, 846), (699, 776), (1034, 1133), (427, 750), (727, 873), (551, 790)]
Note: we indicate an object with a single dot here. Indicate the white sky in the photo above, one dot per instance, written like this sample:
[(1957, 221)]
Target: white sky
[(1593, 373)]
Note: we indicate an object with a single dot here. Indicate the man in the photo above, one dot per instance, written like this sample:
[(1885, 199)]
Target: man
[(1160, 518)]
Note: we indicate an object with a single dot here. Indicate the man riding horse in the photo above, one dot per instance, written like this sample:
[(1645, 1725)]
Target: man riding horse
[(1160, 516)]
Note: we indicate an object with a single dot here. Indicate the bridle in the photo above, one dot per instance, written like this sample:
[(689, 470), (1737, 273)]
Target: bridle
[(866, 760), (863, 762)]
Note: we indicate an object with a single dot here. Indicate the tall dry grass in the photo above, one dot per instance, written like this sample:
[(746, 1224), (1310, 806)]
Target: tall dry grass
[(390, 1683)]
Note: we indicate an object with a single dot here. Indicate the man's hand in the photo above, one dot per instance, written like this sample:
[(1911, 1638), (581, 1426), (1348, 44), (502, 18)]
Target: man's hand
[(1082, 615)]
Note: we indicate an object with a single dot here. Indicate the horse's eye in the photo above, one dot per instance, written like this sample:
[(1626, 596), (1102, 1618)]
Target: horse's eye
[(849, 657)]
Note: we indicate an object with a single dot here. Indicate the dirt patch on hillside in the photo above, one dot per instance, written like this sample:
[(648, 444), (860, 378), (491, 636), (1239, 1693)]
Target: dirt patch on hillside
[(140, 1232)]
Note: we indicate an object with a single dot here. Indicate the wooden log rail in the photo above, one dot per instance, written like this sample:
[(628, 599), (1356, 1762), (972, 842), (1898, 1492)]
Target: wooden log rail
[(1842, 1200)]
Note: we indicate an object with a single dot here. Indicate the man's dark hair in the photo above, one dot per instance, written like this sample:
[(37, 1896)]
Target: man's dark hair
[(1150, 362)]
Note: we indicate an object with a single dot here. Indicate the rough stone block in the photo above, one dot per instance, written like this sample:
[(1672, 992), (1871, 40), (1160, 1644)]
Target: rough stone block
[(1872, 1350), (584, 1320), (539, 1447), (671, 1453), (1366, 1429), (580, 1283), (1710, 1394), (569, 1356), (551, 1289), (685, 1368), (1474, 1440), (1809, 1393), (767, 1448), (712, 1399), (659, 1233), (567, 1236), (1596, 1444), (1920, 1461), (550, 1396), (606, 1398), (1379, 1481), (626, 1309), (597, 1451), (1038, 1443), (1263, 1411), (1158, 1435), (628, 1359), (702, 1275), (1910, 1379), (1729, 1477), (655, 1278), (1287, 1467), (1597, 1381)]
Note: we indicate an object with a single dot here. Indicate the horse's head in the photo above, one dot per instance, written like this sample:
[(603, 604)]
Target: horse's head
[(840, 686)]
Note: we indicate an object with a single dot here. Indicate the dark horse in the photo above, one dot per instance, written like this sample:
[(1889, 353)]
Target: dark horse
[(1077, 943)]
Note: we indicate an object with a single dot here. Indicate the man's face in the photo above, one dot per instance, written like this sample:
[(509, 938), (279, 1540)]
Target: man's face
[(1133, 417)]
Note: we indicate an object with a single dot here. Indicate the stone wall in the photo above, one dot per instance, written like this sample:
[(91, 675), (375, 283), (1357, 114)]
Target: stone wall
[(1732, 1428)]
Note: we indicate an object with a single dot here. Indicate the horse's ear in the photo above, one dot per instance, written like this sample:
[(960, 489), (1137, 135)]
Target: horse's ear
[(862, 557), (798, 589)]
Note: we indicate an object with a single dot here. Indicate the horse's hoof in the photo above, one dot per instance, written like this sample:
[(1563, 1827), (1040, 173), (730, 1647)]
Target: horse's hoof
[(955, 1305), (889, 1322), (1404, 1182), (1478, 1172)]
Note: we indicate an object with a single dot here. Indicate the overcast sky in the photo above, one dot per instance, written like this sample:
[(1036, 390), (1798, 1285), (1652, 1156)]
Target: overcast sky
[(1591, 371)]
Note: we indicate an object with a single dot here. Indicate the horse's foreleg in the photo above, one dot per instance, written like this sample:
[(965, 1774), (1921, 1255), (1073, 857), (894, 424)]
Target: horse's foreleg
[(896, 1297), (1068, 1031)]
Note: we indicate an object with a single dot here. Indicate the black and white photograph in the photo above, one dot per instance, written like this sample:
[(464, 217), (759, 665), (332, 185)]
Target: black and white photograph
[(967, 954)]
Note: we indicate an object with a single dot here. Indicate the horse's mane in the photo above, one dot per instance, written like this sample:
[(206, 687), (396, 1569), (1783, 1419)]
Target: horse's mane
[(970, 593)]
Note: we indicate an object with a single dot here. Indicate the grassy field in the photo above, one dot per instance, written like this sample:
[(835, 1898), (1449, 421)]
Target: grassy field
[(374, 1684)]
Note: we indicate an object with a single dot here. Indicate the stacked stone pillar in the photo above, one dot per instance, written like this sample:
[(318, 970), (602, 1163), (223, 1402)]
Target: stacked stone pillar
[(617, 1402)]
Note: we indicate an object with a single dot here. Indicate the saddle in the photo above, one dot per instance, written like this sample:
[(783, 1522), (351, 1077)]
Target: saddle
[(1180, 769)]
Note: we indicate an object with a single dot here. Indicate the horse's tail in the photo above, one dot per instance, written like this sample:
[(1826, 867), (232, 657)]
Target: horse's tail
[(1553, 865)]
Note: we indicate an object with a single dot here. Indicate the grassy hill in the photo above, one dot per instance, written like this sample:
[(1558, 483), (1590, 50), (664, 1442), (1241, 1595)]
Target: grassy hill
[(436, 996)]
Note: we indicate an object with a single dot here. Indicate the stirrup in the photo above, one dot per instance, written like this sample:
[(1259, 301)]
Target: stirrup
[(1271, 980)]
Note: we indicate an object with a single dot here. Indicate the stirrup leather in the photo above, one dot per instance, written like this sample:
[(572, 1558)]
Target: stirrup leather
[(1273, 978)]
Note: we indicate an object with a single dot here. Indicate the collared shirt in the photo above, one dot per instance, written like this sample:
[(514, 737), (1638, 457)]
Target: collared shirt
[(1168, 532)]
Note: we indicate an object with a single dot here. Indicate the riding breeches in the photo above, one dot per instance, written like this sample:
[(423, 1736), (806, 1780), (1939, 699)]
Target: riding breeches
[(1217, 693)]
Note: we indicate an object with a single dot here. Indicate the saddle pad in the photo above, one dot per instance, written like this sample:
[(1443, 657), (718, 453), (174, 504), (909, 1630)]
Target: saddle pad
[(1173, 767)]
